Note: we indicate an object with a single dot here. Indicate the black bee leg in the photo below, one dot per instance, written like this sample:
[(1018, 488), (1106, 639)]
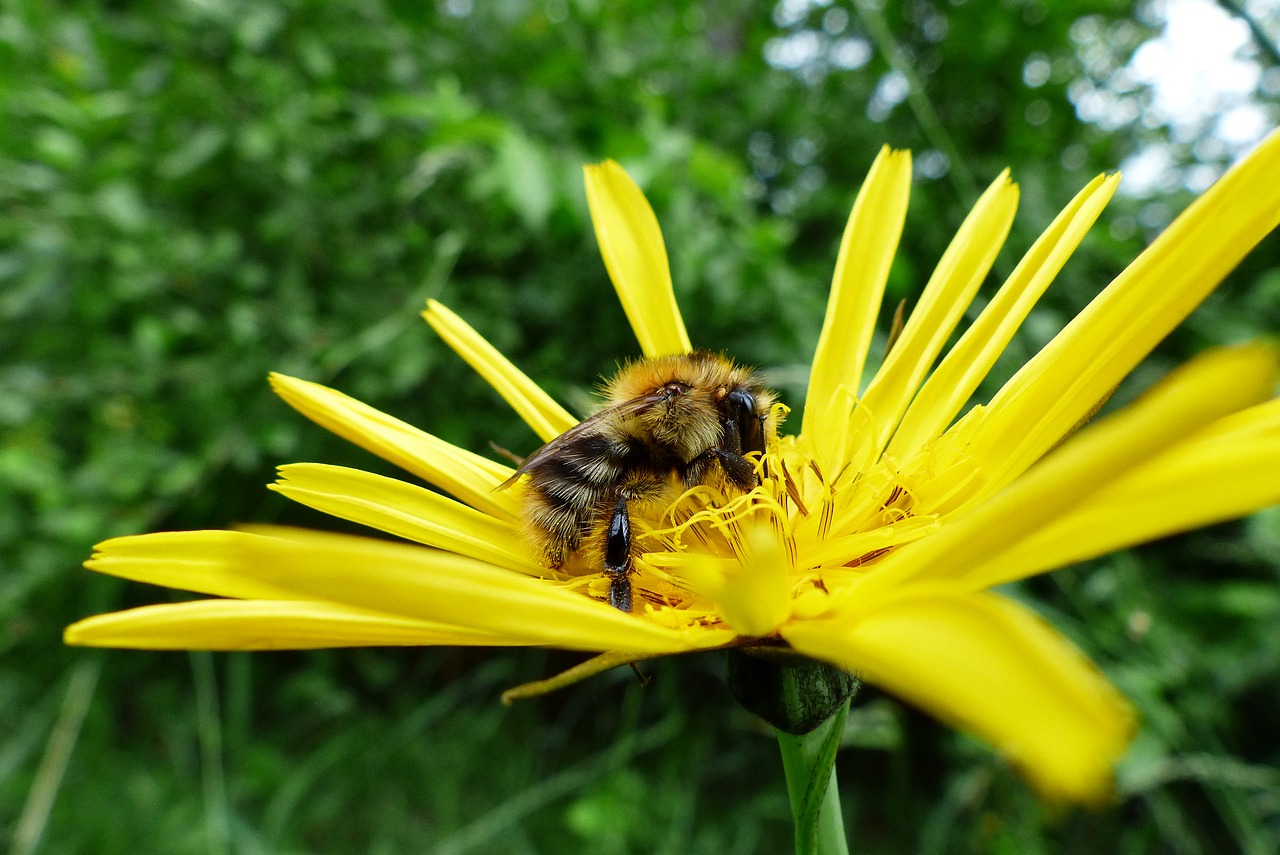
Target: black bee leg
[(738, 468), (617, 556), (620, 593)]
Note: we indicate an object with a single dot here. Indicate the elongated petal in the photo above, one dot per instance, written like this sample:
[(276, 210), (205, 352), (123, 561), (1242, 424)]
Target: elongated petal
[(1202, 481), (841, 550), (947, 295), (468, 476), (408, 511), (636, 259), (966, 365), (203, 562), (1255, 422), (862, 268), (989, 666), (1061, 384), (390, 578), (539, 411), (1216, 384), (262, 625)]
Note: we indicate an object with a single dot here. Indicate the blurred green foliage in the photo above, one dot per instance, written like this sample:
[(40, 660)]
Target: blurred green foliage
[(193, 194)]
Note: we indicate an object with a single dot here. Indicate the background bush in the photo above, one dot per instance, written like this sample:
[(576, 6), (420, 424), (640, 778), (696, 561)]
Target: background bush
[(194, 194)]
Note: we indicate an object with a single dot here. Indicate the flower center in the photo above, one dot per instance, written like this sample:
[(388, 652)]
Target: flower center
[(822, 530)]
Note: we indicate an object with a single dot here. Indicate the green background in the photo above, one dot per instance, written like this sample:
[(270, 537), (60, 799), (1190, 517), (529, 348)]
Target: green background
[(195, 193)]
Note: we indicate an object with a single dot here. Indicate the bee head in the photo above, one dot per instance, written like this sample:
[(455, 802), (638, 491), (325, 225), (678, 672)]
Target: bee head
[(692, 402), (673, 389)]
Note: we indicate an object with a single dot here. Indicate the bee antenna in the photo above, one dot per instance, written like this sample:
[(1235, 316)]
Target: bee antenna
[(502, 452)]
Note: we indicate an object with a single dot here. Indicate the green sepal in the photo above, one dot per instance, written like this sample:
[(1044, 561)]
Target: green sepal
[(793, 693)]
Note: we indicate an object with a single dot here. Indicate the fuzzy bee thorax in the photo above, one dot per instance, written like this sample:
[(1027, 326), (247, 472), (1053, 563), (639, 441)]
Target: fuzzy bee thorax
[(687, 424)]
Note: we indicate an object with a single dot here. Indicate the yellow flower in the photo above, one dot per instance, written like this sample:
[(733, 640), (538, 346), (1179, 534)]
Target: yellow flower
[(878, 528)]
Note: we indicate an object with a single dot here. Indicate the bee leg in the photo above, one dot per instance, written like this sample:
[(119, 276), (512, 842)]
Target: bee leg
[(620, 593), (738, 468), (617, 556)]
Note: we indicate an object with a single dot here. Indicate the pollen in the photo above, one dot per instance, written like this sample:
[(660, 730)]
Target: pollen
[(705, 542)]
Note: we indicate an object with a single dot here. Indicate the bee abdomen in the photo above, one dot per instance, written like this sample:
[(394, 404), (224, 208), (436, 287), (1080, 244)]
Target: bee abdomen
[(557, 529), (566, 492), (590, 466)]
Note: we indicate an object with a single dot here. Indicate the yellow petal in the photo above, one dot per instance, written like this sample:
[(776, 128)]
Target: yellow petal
[(1061, 384), (204, 562), (468, 476), (1202, 481), (261, 625), (862, 268), (408, 511), (1217, 383), (636, 258), (840, 550), (966, 365), (989, 666), (1255, 422), (947, 295), (412, 582), (539, 411)]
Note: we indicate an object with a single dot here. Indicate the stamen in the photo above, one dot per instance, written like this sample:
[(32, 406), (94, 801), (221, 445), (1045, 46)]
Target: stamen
[(828, 511), (793, 489), (867, 557)]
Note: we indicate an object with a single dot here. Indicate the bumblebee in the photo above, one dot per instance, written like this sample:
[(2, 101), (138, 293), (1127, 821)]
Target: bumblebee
[(669, 423)]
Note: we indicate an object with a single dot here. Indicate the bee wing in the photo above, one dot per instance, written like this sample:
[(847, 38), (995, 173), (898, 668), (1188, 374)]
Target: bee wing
[(586, 427)]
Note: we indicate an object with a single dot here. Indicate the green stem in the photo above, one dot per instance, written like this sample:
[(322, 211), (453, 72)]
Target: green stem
[(809, 763), (872, 17), (1260, 37)]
